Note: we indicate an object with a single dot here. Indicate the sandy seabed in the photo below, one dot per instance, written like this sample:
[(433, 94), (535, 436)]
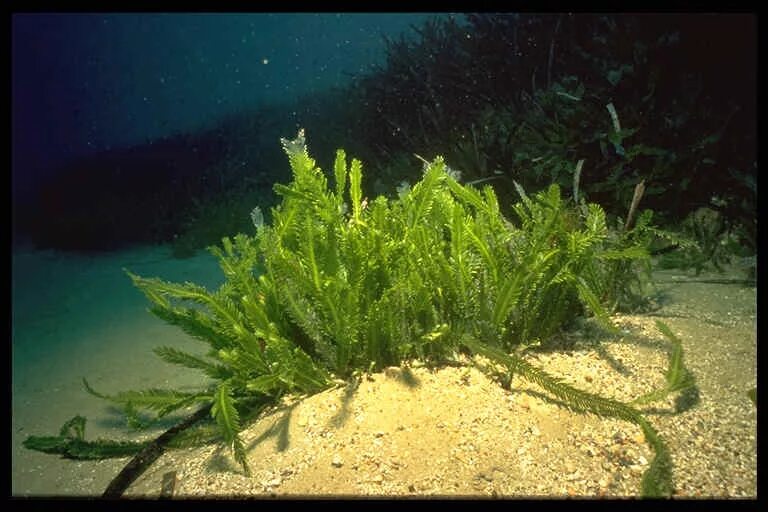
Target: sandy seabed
[(79, 315), (401, 432)]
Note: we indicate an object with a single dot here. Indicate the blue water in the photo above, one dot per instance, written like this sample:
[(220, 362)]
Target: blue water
[(87, 82), (75, 316)]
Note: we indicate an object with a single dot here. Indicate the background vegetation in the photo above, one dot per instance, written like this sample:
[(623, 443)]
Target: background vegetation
[(665, 98)]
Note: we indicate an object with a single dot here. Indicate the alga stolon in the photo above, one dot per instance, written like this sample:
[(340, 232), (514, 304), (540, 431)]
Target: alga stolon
[(338, 284)]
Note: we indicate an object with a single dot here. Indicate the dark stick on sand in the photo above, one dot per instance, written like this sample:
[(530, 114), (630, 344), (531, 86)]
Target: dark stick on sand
[(142, 460)]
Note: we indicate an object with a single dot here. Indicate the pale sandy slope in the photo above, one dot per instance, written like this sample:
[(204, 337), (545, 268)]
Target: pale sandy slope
[(441, 432), (79, 316)]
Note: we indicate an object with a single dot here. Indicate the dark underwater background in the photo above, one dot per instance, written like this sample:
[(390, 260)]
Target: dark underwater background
[(164, 128), (140, 139)]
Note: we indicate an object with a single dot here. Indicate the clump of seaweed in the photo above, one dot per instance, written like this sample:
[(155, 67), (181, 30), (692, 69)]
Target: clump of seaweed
[(336, 284)]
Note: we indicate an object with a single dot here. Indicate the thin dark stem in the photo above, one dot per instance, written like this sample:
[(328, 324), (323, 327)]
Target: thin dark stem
[(142, 460), (639, 191), (552, 52)]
